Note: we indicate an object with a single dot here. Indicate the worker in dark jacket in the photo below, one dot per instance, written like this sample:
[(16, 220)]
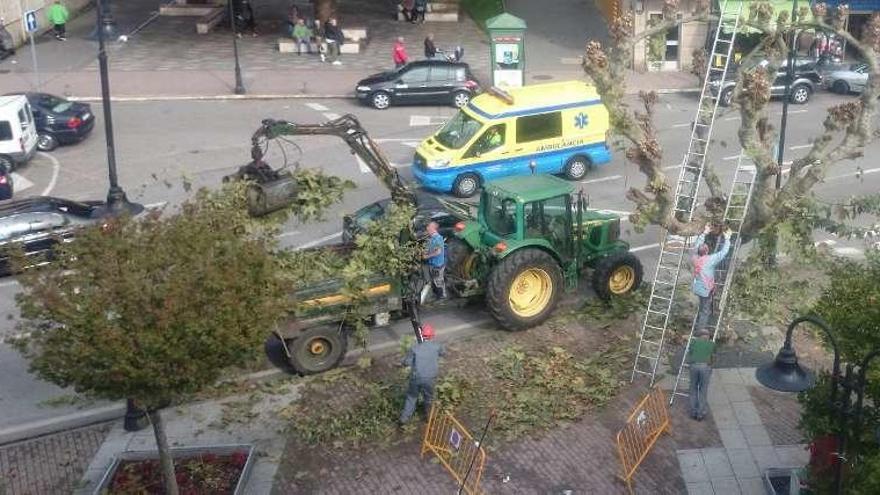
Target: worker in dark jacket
[(423, 360)]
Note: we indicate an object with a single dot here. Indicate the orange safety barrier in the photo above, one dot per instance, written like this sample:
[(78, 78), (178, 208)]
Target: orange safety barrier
[(456, 449), (643, 427)]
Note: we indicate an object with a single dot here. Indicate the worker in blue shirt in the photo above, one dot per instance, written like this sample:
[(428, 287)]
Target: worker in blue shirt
[(704, 265), (423, 361), (435, 259)]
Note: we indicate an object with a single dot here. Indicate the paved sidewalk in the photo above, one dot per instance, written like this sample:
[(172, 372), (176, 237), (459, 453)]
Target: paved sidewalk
[(747, 449), (166, 58)]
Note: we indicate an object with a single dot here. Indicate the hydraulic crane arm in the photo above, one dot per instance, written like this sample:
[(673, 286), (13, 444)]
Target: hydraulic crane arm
[(349, 130)]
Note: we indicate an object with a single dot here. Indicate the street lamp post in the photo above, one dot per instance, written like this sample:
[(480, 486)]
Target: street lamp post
[(117, 202), (785, 374), (239, 85)]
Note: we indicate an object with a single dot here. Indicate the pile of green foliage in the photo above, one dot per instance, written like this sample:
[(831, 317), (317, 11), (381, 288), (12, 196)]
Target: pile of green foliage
[(849, 304)]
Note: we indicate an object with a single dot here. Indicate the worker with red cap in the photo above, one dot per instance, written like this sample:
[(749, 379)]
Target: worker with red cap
[(423, 360)]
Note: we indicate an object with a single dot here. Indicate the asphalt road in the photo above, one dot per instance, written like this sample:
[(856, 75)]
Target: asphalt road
[(158, 144)]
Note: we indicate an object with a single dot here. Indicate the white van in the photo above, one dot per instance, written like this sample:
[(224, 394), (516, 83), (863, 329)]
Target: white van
[(18, 132)]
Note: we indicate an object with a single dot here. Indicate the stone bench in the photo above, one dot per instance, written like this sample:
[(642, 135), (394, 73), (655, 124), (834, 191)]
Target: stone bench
[(354, 39), (207, 22)]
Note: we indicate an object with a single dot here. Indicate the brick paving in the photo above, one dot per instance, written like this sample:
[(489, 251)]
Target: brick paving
[(780, 413), (49, 465)]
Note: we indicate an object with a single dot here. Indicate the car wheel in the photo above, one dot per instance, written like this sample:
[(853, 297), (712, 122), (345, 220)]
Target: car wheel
[(46, 142), (466, 185), (726, 97), (576, 168), (461, 98), (800, 94), (381, 100), (840, 87)]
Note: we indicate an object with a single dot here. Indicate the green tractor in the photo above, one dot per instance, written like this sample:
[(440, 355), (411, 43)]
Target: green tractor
[(532, 239)]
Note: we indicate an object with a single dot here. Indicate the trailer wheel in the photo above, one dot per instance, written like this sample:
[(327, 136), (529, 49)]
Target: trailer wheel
[(523, 289), (616, 275), (317, 349)]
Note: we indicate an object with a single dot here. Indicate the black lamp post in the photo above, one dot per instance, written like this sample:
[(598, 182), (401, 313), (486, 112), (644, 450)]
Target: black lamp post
[(239, 85), (116, 200), (785, 374), (107, 23)]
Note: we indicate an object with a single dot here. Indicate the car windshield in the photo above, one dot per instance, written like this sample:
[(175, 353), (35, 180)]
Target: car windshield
[(458, 131), (500, 215), (57, 105)]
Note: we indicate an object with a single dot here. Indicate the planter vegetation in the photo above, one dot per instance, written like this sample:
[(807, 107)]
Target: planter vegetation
[(218, 470)]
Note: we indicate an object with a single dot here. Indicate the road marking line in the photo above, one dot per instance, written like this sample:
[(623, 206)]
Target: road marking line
[(731, 119), (602, 179), (392, 140), (423, 120), (317, 106), (731, 157), (288, 234), (20, 182), (800, 147), (56, 168), (9, 283), (671, 167), (856, 174), (794, 111), (686, 124), (160, 204), (319, 241), (644, 248), (411, 144), (331, 116), (362, 165)]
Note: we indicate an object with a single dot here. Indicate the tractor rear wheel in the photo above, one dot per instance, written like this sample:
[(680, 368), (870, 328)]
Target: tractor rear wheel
[(461, 259), (523, 289), (616, 275), (317, 349)]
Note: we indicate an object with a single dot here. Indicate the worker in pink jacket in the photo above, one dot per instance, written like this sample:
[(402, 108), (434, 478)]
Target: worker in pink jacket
[(399, 53)]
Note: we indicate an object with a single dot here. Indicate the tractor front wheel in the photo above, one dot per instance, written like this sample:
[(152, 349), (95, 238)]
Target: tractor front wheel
[(617, 275), (317, 349), (523, 289)]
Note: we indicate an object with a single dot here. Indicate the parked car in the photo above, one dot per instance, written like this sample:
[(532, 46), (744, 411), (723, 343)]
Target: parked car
[(428, 209), (37, 224), (847, 79), (806, 80), (437, 82), (59, 121), (18, 135)]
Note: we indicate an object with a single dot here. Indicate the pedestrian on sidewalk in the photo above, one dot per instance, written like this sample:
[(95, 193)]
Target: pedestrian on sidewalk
[(250, 19), (700, 360), (421, 7), (704, 265), (319, 40), (407, 8), (435, 261), (398, 53), (303, 36), (430, 49), (58, 15), (423, 360), (334, 38)]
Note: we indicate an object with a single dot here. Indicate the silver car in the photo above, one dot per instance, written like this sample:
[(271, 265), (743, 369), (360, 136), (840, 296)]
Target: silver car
[(846, 80)]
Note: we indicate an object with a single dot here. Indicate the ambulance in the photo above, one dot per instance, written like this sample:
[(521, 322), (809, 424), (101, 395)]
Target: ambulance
[(556, 128)]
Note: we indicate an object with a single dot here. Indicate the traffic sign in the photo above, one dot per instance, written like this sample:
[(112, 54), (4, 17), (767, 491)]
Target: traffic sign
[(30, 21)]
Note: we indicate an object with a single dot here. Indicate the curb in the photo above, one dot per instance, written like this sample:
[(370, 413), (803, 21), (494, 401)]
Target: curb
[(209, 97), (117, 411), (283, 96)]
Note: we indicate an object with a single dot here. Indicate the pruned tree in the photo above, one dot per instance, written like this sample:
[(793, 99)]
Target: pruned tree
[(846, 130), (155, 308)]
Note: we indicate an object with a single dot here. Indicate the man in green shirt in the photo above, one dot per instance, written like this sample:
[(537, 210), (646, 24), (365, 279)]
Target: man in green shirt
[(58, 15), (700, 362)]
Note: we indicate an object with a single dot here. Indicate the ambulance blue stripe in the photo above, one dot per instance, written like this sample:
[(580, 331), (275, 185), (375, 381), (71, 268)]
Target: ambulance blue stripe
[(532, 111)]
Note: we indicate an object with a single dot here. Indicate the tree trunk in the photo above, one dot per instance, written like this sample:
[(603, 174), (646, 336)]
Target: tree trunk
[(165, 461), (324, 9)]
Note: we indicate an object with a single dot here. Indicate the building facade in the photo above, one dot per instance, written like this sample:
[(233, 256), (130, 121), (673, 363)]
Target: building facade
[(12, 12)]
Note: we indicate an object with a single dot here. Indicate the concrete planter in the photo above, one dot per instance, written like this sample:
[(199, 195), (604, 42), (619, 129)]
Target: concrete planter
[(180, 453)]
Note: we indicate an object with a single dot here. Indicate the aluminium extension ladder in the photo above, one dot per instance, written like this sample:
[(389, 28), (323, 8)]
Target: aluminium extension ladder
[(673, 247), (734, 215)]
